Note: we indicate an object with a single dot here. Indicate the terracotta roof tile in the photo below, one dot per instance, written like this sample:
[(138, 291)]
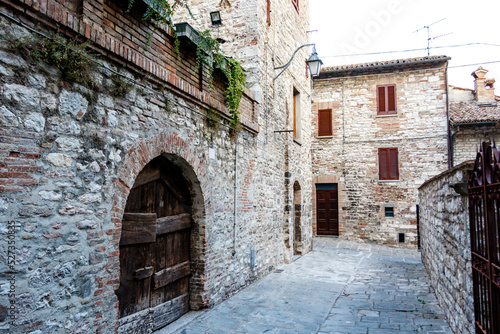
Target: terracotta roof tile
[(472, 112), (385, 63)]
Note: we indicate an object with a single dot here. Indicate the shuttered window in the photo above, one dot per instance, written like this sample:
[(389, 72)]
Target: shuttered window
[(325, 122), (386, 100), (388, 163), (296, 4), (268, 12)]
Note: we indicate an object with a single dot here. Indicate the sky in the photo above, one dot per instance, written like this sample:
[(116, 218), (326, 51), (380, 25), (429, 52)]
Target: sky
[(374, 26)]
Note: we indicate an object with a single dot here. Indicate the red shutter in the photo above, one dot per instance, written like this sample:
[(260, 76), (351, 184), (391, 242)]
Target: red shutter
[(391, 99), (388, 163), (325, 122), (381, 100), (386, 99), (393, 164), (382, 161)]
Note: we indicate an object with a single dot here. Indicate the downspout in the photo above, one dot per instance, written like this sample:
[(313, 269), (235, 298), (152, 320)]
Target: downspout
[(235, 193), (450, 136)]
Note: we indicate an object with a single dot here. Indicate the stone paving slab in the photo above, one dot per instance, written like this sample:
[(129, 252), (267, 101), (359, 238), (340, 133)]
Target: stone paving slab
[(341, 287)]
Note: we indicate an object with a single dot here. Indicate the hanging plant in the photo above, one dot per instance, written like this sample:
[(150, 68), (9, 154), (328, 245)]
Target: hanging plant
[(209, 55), (208, 51)]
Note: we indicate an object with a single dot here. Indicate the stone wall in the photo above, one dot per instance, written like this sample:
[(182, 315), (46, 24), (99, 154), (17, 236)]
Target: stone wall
[(69, 157), (350, 156), (445, 245), (467, 140), (262, 45)]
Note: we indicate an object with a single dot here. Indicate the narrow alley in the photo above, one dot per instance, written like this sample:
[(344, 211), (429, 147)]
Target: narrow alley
[(340, 287)]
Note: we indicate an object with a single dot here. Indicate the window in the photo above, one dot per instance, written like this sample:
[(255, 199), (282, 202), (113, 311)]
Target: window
[(386, 100), (296, 114), (268, 12), (388, 163), (325, 122), (389, 211), (296, 4)]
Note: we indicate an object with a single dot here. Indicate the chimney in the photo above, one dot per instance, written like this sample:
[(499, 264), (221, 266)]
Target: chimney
[(485, 92)]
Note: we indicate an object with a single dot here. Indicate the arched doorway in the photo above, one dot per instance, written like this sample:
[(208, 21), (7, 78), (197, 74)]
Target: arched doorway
[(297, 213), (155, 247)]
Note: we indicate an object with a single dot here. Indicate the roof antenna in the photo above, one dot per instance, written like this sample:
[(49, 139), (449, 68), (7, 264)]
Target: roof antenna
[(428, 35)]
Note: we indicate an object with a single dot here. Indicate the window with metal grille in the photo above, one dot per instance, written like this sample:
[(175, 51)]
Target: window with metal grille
[(386, 100), (388, 163), (296, 4), (325, 122)]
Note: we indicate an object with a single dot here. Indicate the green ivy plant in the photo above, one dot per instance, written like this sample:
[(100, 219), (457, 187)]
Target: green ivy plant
[(71, 58), (209, 55), (208, 51)]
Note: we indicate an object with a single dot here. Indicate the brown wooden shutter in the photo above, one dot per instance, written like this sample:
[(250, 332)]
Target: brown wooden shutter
[(391, 99), (393, 164), (382, 161), (269, 12), (381, 100), (325, 122)]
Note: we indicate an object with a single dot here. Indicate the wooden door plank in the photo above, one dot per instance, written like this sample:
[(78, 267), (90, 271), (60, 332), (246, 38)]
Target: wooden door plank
[(170, 311), (134, 294), (172, 224), (169, 275), (138, 228), (143, 273), (148, 174)]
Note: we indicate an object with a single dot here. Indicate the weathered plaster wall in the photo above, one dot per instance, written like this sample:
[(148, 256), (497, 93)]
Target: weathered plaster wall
[(350, 156), (445, 245)]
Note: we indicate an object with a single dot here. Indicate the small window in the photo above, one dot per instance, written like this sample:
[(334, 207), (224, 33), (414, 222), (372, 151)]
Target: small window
[(388, 163), (386, 100), (296, 4), (401, 238), (389, 211), (325, 122)]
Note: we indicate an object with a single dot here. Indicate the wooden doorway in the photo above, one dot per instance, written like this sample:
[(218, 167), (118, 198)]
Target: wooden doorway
[(155, 246), (327, 206)]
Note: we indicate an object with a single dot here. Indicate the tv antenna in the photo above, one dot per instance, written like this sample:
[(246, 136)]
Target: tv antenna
[(428, 34)]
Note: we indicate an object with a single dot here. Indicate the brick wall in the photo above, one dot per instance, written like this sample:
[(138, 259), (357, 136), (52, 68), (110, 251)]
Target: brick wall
[(445, 245), (350, 156)]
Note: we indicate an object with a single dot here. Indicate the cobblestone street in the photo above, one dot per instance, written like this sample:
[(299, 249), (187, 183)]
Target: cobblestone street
[(340, 287)]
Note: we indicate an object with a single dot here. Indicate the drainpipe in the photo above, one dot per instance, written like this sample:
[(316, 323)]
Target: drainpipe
[(235, 192), (450, 136)]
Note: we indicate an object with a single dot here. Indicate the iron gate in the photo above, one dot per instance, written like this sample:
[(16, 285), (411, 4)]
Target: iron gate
[(484, 214)]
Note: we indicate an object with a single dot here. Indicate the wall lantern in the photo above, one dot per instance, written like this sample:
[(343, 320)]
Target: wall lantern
[(313, 62), (215, 17)]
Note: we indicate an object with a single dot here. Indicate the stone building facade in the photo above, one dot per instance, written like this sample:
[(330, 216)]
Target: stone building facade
[(474, 116), (379, 131), (70, 157)]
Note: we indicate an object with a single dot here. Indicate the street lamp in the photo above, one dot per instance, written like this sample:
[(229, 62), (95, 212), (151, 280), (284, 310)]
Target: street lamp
[(314, 63)]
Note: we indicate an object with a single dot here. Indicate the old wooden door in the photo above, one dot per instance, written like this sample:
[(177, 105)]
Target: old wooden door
[(327, 210), (155, 245)]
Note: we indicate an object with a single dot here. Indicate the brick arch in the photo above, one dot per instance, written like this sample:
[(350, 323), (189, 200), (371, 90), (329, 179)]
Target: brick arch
[(179, 151)]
